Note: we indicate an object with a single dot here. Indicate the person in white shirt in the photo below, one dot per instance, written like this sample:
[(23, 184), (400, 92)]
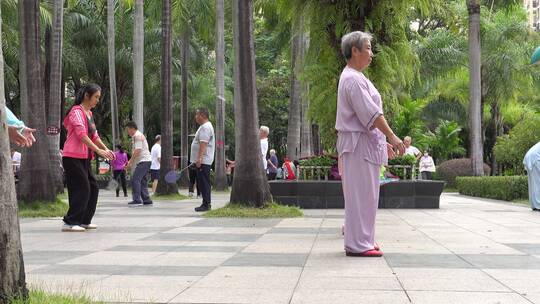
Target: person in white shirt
[(263, 134), (202, 156), (16, 160), (142, 159), (409, 149), (427, 166), (155, 153)]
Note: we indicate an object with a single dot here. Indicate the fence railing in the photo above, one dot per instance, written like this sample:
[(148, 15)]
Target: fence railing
[(323, 172), (313, 172)]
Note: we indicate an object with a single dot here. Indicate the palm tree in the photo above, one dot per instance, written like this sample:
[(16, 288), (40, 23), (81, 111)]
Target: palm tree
[(11, 257), (475, 111), (184, 117), (55, 93), (35, 171), (250, 185), (221, 178), (138, 64), (166, 103), (306, 141), (112, 70), (295, 104)]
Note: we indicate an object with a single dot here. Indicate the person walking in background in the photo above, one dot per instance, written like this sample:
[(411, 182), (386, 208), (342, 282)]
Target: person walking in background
[(272, 165), (229, 170), (155, 153), (81, 143), (202, 155), (427, 166), (16, 160), (141, 159), (119, 169), (410, 149), (192, 170), (361, 145), (263, 135)]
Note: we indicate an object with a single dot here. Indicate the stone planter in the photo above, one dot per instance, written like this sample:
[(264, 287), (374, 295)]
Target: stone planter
[(329, 194)]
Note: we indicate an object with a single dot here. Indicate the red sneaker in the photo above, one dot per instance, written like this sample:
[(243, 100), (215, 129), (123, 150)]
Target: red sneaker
[(369, 253)]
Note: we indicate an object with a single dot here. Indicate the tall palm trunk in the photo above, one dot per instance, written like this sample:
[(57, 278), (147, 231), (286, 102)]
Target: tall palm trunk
[(475, 111), (250, 185), (35, 171), (306, 140), (295, 103), (112, 71), (221, 178), (55, 93), (184, 119), (306, 143), (497, 125), (138, 65), (166, 103), (11, 255)]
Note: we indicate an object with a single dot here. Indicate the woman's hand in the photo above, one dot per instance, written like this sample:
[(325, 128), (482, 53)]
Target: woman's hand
[(391, 152), (107, 154), (28, 134), (16, 137), (24, 139), (397, 144)]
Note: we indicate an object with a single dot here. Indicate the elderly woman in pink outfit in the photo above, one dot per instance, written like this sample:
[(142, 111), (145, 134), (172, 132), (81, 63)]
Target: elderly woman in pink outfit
[(362, 145)]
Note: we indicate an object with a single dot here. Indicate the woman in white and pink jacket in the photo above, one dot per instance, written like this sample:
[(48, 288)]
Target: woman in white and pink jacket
[(81, 144)]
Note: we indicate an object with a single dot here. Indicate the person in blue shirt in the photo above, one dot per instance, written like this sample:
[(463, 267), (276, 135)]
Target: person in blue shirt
[(19, 133), (532, 165)]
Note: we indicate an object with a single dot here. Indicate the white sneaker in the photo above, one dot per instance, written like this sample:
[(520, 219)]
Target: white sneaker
[(72, 228), (89, 226), (190, 194)]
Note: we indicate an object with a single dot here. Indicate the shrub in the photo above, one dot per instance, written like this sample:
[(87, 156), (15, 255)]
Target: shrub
[(510, 149), (322, 160), (449, 170), (506, 188), (405, 160)]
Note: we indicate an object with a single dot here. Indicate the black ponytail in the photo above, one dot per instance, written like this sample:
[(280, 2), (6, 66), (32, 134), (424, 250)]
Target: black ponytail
[(119, 147)]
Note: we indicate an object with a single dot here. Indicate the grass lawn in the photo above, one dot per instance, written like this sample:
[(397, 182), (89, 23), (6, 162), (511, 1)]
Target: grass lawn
[(272, 210), (522, 202), (44, 209), (169, 197), (40, 297), (449, 189)]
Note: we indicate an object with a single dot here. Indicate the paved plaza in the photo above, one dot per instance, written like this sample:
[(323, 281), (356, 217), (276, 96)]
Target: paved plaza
[(469, 251)]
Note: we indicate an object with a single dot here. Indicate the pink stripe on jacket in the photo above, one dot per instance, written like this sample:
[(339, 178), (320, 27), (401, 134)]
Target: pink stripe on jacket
[(77, 127)]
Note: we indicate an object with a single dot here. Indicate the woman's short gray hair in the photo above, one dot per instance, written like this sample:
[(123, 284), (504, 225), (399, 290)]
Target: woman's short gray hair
[(355, 39), (265, 129)]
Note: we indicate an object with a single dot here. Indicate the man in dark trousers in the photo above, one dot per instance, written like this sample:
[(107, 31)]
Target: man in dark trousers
[(202, 155)]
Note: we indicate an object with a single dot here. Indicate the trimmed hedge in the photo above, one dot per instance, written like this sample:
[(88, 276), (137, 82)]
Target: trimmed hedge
[(507, 188), (450, 169)]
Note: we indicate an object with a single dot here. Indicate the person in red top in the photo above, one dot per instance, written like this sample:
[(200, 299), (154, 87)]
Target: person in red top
[(82, 140), (289, 169)]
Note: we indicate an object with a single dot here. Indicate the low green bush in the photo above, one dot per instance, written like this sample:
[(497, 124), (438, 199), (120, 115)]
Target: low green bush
[(321, 160), (507, 188)]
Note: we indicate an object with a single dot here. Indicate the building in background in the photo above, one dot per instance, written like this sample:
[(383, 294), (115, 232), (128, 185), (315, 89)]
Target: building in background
[(533, 11)]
